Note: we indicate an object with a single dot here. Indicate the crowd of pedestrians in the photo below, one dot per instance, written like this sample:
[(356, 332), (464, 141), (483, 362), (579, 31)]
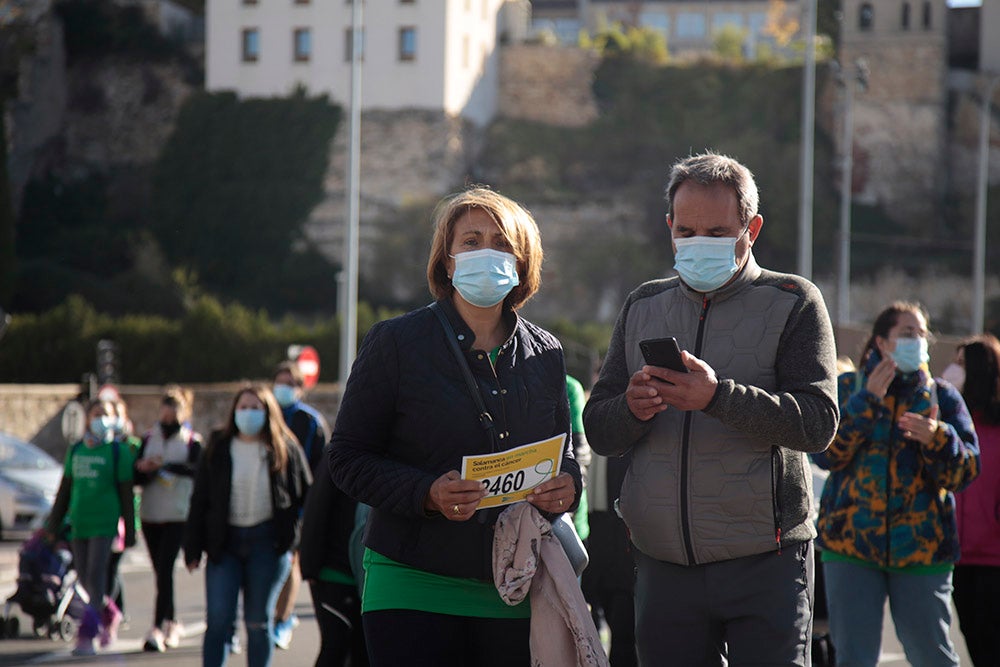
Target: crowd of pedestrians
[(696, 504)]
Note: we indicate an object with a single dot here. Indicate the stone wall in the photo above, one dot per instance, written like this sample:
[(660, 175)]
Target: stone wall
[(34, 412), (899, 124), (406, 156), (548, 84), (121, 112)]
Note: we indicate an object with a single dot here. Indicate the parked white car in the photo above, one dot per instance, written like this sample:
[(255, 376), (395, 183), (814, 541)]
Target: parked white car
[(29, 479)]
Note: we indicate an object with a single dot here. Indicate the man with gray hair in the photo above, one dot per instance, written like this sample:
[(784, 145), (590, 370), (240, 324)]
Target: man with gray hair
[(718, 495)]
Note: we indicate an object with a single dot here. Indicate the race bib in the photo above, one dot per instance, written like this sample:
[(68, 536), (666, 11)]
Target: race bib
[(511, 475)]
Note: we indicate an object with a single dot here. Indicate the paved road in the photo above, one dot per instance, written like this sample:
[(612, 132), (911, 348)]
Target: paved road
[(139, 595)]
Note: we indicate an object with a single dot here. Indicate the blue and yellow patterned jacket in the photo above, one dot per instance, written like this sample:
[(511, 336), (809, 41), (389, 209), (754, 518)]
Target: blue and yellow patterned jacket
[(889, 500)]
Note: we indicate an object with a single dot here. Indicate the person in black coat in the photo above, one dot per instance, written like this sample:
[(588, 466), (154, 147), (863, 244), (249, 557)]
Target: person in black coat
[(248, 495), (324, 557), (408, 417)]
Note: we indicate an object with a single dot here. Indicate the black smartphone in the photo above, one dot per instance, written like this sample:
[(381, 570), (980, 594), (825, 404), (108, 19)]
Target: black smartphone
[(663, 352)]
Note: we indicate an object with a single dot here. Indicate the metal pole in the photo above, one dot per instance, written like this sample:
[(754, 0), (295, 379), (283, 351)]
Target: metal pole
[(349, 325), (846, 178), (979, 240), (806, 156)]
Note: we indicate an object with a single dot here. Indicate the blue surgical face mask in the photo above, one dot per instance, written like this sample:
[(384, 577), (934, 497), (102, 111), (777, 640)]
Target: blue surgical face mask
[(910, 354), (103, 428), (285, 394), (250, 421), (706, 263), (485, 277)]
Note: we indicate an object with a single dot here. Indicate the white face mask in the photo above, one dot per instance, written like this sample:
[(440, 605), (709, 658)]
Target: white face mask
[(954, 374), (706, 263), (484, 278)]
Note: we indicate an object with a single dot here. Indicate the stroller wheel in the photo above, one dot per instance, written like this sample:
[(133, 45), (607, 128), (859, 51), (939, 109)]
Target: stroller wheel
[(40, 627), (12, 627), (67, 629)]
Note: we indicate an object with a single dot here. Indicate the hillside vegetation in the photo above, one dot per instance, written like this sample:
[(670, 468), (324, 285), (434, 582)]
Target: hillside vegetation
[(652, 116)]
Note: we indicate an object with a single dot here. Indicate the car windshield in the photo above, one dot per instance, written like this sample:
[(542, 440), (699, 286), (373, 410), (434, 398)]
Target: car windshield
[(16, 453)]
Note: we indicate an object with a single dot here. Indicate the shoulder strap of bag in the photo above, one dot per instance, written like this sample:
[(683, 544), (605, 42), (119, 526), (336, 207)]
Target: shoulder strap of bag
[(485, 418)]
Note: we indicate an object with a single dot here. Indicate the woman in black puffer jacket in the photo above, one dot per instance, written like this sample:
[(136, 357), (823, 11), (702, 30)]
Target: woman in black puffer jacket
[(408, 417)]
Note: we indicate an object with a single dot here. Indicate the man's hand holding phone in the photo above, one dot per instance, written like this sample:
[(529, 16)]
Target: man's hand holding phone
[(671, 378)]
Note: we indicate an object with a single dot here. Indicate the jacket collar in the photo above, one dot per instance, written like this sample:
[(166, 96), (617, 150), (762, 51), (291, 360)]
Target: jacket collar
[(748, 274), (465, 334)]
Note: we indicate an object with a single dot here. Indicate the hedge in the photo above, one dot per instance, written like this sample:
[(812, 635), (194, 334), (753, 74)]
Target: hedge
[(211, 342)]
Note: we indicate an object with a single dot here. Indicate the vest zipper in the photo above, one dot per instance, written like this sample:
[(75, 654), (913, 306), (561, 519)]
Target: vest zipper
[(686, 447), (777, 474)]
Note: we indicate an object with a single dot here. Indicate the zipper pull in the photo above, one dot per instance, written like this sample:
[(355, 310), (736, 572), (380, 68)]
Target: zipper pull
[(777, 538), (704, 307)]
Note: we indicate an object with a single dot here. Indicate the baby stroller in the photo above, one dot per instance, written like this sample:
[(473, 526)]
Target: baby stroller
[(47, 591)]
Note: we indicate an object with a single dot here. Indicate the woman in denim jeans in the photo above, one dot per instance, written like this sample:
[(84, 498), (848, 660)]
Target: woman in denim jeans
[(248, 493), (904, 446)]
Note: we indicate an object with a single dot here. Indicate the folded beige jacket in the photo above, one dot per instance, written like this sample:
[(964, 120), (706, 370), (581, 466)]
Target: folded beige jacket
[(528, 558)]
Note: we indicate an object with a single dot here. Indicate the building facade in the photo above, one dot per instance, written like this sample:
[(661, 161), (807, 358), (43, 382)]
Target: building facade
[(417, 54), (689, 26), (900, 117)]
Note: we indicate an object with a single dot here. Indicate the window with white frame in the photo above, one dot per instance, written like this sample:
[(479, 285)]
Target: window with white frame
[(690, 25), (866, 16), (722, 19), (250, 45), (408, 43), (657, 21), (302, 45)]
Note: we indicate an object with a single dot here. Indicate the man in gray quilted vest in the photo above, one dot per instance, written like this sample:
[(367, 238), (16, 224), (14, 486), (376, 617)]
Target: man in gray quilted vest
[(718, 494)]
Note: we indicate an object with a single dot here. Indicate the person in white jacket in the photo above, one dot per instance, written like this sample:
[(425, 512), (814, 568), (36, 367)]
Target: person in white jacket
[(165, 470)]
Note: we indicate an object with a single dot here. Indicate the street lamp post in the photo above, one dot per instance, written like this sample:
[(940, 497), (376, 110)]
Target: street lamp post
[(349, 325), (806, 156), (846, 181), (979, 241)]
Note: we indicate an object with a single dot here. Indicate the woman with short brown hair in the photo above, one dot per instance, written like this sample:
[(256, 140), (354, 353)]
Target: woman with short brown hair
[(408, 417)]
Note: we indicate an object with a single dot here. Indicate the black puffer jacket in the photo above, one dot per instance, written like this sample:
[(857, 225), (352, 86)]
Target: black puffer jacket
[(407, 417), (208, 521), (327, 525)]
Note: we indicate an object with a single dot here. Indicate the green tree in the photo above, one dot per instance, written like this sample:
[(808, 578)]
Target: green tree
[(728, 42), (231, 193), (634, 43), (7, 257)]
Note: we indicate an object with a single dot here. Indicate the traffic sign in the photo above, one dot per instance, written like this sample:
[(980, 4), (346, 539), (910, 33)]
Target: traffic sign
[(108, 393), (308, 361)]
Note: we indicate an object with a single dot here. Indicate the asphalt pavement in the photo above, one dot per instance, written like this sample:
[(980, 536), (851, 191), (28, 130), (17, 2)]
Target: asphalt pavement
[(140, 592), (139, 596)]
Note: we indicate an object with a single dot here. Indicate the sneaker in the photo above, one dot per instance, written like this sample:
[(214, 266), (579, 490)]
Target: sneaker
[(154, 641), (235, 646), (172, 633), (109, 627), (84, 646), (283, 631)]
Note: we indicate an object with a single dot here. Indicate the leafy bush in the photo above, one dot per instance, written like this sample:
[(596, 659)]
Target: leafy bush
[(633, 43), (7, 257), (653, 116), (209, 343), (231, 192), (98, 28)]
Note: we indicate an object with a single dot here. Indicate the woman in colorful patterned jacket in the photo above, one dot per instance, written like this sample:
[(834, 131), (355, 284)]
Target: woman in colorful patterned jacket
[(905, 444)]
